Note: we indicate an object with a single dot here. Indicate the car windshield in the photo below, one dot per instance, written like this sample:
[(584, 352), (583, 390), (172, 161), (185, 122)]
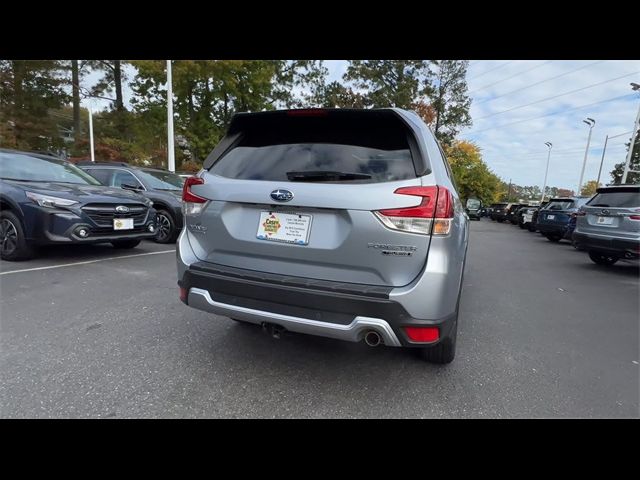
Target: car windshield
[(161, 180), (473, 203), (30, 168)]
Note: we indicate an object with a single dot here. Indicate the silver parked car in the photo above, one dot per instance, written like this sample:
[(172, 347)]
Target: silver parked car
[(342, 223), (608, 226)]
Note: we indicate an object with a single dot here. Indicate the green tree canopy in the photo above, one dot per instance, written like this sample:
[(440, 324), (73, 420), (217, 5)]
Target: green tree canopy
[(29, 89), (473, 178)]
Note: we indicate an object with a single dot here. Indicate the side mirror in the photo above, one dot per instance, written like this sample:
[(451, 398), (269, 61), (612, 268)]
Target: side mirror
[(127, 186)]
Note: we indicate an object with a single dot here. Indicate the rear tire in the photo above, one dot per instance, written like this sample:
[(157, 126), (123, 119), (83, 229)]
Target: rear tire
[(554, 238), (602, 258), (125, 243), (521, 225), (13, 244), (531, 228)]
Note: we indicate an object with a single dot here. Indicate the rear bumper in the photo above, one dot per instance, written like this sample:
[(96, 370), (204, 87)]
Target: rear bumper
[(558, 229), (329, 309), (624, 248)]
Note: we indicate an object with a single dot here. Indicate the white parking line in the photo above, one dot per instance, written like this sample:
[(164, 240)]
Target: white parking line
[(85, 263)]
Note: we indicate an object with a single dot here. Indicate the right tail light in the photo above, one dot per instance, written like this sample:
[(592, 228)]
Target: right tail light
[(433, 215)]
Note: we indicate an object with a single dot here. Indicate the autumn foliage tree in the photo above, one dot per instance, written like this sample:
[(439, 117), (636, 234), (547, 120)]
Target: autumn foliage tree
[(589, 188), (473, 177)]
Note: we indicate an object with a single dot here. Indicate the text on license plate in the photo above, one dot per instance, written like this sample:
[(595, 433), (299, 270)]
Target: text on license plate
[(284, 227), (550, 217), (605, 220), (122, 223)]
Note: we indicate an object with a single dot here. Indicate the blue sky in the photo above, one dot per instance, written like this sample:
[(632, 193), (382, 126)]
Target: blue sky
[(512, 142)]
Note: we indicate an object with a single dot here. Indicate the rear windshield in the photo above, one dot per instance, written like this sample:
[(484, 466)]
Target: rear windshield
[(374, 153), (560, 205), (473, 203), (616, 199)]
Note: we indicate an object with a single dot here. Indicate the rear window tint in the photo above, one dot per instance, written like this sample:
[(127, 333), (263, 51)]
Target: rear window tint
[(616, 199), (560, 205), (379, 150), (274, 161)]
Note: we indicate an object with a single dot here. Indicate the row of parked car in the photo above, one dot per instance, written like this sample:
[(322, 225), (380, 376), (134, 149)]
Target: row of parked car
[(47, 200), (606, 225)]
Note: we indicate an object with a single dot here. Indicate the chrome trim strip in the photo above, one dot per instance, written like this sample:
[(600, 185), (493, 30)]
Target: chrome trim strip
[(200, 299)]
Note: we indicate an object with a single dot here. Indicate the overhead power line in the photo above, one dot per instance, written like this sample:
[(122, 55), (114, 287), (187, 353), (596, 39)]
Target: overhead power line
[(493, 69), (541, 81), (559, 95), (510, 77), (553, 113)]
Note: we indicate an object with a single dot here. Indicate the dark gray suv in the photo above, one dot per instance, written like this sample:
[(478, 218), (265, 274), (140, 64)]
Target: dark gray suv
[(608, 226), (340, 223), (162, 187)]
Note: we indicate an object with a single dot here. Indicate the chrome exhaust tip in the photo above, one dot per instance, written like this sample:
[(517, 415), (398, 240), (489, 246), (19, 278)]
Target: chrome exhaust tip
[(372, 338)]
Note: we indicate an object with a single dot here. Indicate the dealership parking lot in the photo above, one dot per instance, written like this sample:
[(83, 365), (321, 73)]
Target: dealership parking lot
[(544, 332)]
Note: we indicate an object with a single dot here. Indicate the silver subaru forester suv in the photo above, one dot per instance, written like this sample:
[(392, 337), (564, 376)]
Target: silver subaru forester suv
[(342, 223)]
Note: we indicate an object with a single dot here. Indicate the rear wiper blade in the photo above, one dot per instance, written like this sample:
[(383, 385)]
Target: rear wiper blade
[(325, 175)]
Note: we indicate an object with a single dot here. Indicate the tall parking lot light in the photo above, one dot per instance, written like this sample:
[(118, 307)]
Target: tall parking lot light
[(591, 122), (636, 126), (171, 160), (546, 172), (93, 156)]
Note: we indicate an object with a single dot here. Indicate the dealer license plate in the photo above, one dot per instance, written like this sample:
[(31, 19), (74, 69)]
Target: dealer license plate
[(123, 223), (284, 227)]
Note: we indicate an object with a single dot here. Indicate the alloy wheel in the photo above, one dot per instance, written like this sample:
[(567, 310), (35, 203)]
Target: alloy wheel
[(8, 237), (164, 227)]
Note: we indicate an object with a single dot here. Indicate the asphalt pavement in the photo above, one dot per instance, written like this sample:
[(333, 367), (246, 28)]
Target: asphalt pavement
[(544, 332)]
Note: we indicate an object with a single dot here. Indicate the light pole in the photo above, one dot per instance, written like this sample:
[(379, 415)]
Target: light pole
[(627, 163), (171, 160), (93, 157), (604, 149), (546, 172), (591, 122)]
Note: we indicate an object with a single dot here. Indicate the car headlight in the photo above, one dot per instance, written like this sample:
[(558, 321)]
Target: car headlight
[(48, 201)]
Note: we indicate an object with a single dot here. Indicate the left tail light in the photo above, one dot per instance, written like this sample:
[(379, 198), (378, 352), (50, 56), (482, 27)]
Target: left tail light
[(191, 203), (433, 215)]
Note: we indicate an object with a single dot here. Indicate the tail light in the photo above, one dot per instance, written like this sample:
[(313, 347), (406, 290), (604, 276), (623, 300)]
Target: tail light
[(433, 215), (422, 334), (192, 203), (635, 217)]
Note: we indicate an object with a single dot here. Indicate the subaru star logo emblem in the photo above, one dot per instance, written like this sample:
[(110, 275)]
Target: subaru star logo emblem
[(281, 195), (122, 209)]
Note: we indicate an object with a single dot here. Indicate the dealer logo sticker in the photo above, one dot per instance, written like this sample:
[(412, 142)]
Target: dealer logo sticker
[(271, 225)]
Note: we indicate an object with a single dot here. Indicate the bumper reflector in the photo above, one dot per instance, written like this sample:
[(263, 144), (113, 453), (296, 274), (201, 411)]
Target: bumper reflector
[(422, 334), (183, 294)]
